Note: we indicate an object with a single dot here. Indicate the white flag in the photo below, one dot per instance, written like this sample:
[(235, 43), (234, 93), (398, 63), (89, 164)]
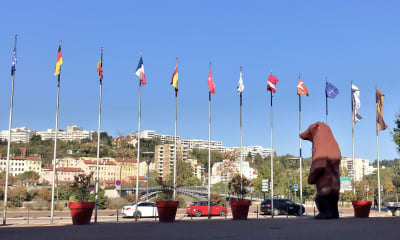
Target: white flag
[(355, 98), (240, 86)]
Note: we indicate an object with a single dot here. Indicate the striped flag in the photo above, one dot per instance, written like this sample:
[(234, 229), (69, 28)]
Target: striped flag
[(380, 123), (140, 71), (100, 66), (59, 61), (174, 78)]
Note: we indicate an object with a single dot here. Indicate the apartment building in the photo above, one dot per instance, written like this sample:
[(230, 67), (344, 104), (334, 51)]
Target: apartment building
[(198, 169), (359, 169), (225, 170), (21, 164), (164, 156), (64, 174), (107, 168), (73, 133), (252, 150), (21, 134)]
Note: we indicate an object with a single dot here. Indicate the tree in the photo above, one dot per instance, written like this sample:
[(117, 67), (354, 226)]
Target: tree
[(192, 181), (396, 131), (202, 157), (29, 176), (17, 196), (184, 171)]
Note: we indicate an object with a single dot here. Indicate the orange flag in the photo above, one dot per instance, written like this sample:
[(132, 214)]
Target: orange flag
[(301, 88)]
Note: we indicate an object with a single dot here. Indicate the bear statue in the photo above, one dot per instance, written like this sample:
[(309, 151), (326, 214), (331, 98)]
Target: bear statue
[(324, 172)]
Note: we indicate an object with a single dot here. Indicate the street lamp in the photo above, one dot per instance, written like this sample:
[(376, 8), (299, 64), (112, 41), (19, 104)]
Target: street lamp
[(301, 183), (148, 161)]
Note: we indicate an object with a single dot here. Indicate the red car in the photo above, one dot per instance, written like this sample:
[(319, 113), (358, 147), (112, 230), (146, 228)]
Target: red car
[(201, 208)]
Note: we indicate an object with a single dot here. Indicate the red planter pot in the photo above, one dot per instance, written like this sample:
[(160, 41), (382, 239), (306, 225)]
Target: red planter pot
[(361, 208), (81, 212), (240, 209), (167, 210)]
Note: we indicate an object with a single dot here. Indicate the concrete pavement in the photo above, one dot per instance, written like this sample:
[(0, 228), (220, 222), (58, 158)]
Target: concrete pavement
[(267, 228)]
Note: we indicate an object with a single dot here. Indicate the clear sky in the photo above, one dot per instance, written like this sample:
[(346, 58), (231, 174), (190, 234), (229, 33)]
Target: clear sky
[(344, 40)]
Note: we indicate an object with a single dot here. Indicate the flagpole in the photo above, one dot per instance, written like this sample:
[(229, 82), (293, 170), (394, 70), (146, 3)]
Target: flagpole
[(98, 143), (138, 150), (377, 153), (55, 147), (352, 135), (209, 152), (241, 138), (326, 100), (9, 140), (176, 117), (272, 166), (300, 153)]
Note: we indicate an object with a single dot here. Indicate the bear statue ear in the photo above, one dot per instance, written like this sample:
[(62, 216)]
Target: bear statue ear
[(310, 132), (314, 129)]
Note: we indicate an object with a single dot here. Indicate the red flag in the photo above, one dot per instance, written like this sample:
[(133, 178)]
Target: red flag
[(210, 83), (272, 81), (301, 88)]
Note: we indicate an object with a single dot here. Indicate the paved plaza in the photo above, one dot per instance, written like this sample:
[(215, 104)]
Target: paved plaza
[(266, 228)]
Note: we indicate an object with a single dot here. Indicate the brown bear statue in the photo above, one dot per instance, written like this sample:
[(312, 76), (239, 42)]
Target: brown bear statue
[(324, 172)]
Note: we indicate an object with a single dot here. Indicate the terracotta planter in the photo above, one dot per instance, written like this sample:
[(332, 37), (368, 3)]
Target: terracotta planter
[(361, 208), (81, 212), (240, 209), (167, 210)]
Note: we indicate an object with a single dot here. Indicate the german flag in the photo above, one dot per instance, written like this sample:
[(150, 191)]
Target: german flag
[(100, 66), (174, 79), (59, 62)]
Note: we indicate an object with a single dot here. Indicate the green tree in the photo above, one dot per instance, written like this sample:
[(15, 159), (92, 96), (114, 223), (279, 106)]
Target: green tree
[(17, 196), (202, 157), (184, 171), (396, 131), (192, 181)]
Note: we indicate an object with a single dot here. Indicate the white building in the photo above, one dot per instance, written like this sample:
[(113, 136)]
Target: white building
[(361, 167), (202, 144), (21, 134), (253, 150), (225, 170), (73, 133), (20, 164)]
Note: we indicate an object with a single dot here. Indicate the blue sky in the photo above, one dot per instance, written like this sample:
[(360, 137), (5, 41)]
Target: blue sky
[(344, 40)]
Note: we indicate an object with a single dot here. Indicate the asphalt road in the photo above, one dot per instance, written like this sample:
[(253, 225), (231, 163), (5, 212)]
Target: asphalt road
[(278, 228)]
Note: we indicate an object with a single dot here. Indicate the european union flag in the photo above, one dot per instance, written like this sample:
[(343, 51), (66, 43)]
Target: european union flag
[(330, 90), (14, 62)]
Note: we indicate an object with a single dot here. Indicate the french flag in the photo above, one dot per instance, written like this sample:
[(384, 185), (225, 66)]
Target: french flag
[(140, 71)]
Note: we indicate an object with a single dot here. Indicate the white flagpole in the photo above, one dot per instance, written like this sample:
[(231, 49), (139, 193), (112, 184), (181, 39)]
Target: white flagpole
[(300, 154), (241, 138), (352, 134), (138, 151), (55, 148), (326, 100), (9, 140), (377, 153), (272, 167), (98, 144), (209, 152), (176, 117)]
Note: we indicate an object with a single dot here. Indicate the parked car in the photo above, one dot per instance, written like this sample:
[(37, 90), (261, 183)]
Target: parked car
[(201, 208), (144, 209), (282, 206)]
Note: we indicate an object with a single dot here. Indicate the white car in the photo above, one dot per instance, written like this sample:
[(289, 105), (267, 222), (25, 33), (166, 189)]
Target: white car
[(144, 209)]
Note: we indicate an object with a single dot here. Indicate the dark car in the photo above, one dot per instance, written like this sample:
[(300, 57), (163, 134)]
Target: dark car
[(282, 206)]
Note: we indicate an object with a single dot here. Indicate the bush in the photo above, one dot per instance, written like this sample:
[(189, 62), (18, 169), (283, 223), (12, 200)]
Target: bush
[(39, 203), (182, 202), (131, 198), (116, 203)]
